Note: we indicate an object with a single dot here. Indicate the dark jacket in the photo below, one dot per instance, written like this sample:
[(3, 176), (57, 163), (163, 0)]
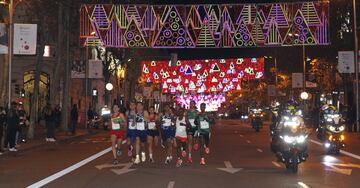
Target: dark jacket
[(74, 114), (13, 119)]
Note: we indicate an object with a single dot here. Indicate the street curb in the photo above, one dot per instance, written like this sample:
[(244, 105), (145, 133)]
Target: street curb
[(69, 139)]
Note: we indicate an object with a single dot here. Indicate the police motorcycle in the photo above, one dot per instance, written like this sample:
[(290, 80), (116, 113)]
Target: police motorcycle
[(256, 115), (331, 129), (292, 139)]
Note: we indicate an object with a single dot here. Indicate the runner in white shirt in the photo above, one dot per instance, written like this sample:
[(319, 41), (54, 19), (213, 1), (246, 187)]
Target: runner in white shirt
[(181, 136)]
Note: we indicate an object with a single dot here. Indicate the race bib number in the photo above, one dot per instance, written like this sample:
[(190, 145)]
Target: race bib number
[(140, 126), (167, 123), (192, 122), (115, 126), (204, 125), (152, 125), (181, 131), (131, 125)]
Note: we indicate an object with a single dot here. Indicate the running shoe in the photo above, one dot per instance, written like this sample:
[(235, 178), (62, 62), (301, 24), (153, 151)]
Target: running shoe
[(202, 161), (167, 161), (137, 160), (143, 156), (151, 160), (196, 147), (170, 158), (115, 162), (190, 160), (183, 153), (207, 150), (12, 149), (179, 163)]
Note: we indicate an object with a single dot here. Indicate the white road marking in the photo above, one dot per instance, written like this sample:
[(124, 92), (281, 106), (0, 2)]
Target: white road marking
[(69, 169), (235, 132), (229, 168), (338, 170), (171, 184), (276, 164), (260, 150), (341, 151), (248, 141), (241, 136), (302, 185)]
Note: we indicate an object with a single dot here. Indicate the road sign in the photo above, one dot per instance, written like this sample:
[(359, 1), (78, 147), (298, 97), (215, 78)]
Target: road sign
[(297, 80), (346, 62)]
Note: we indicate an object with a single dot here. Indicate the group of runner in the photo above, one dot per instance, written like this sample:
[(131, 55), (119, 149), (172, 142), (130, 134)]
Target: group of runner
[(185, 130)]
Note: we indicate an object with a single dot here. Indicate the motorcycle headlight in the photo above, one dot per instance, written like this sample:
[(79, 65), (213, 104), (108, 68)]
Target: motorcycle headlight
[(342, 128), (329, 119), (289, 139), (331, 128), (300, 139), (286, 118)]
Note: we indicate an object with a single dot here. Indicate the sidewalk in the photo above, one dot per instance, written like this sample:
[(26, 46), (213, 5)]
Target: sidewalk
[(40, 135)]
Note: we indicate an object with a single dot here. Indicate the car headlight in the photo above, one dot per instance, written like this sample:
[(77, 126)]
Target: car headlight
[(342, 128)]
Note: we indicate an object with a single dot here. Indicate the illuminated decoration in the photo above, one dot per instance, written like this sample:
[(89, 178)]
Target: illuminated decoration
[(206, 39), (120, 13), (310, 14), (257, 32), (149, 19), (213, 102), (248, 14), (113, 37), (202, 76), (133, 14), (303, 34), (194, 18), (133, 35), (273, 36), (100, 17), (242, 37), (321, 31), (277, 14), (227, 21), (173, 32), (204, 26)]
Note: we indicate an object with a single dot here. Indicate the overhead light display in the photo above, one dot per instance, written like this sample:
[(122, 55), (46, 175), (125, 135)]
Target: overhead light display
[(202, 76)]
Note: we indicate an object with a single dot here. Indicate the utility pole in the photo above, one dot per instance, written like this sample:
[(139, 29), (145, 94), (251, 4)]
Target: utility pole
[(11, 36), (356, 65)]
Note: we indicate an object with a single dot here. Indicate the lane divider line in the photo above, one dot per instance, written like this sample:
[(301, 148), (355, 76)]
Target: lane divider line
[(260, 150), (241, 136), (248, 141), (69, 169), (276, 164), (303, 185), (341, 151), (171, 184)]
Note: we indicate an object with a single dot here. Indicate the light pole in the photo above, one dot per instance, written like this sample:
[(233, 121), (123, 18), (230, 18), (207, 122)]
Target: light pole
[(356, 65), (10, 48)]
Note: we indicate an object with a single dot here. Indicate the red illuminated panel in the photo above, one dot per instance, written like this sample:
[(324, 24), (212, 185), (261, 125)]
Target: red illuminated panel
[(200, 76)]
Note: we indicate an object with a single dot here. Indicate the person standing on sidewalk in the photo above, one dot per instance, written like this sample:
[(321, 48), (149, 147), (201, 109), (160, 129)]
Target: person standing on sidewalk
[(21, 134), (74, 119), (2, 126), (13, 121), (57, 116), (50, 123)]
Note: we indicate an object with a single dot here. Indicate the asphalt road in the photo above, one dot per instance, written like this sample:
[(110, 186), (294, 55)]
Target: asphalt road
[(243, 155)]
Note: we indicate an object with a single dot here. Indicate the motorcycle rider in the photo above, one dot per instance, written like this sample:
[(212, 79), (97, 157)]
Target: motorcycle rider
[(324, 112)]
